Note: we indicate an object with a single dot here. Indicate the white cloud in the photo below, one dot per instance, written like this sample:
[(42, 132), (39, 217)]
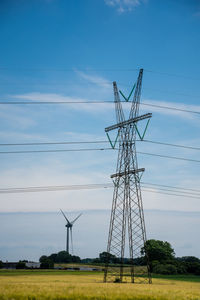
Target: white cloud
[(104, 107), (16, 117), (54, 174), (20, 136), (47, 97), (98, 80), (176, 108), (124, 5), (197, 14)]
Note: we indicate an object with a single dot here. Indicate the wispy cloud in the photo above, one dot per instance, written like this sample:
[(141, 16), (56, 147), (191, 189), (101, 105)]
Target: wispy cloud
[(98, 80), (15, 117), (172, 108), (124, 5), (75, 103), (20, 136), (197, 14)]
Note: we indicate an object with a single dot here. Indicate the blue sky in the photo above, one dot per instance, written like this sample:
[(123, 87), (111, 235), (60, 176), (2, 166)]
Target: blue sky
[(56, 50)]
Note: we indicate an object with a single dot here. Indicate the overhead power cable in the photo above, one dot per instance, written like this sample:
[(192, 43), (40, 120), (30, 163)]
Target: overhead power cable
[(95, 149), (93, 185), (172, 145), (54, 188), (93, 102), (170, 186), (171, 108), (171, 157), (171, 74), (177, 192), (56, 150), (94, 142), (107, 82), (171, 194), (69, 69), (30, 69)]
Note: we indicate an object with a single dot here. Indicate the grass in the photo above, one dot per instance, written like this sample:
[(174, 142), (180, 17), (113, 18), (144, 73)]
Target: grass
[(61, 285)]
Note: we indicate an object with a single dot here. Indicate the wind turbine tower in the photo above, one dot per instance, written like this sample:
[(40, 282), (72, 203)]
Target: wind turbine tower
[(69, 226)]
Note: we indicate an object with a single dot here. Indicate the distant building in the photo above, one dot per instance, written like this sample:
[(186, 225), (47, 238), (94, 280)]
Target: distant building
[(28, 265), (32, 265), (9, 265)]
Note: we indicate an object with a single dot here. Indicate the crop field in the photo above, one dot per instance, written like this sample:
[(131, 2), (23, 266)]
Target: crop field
[(43, 284)]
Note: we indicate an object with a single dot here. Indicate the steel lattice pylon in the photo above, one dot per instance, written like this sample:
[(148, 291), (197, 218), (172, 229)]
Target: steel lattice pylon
[(127, 208)]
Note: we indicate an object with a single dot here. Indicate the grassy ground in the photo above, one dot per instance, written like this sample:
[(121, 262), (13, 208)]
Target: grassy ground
[(60, 285)]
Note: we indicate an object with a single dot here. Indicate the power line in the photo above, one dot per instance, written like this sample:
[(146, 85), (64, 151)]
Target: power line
[(93, 102), (170, 186), (171, 157), (171, 194), (87, 186), (171, 74), (94, 142), (92, 186), (56, 150), (53, 188), (53, 143), (53, 102), (29, 69), (177, 191), (69, 69), (94, 149), (106, 82), (171, 108), (172, 145)]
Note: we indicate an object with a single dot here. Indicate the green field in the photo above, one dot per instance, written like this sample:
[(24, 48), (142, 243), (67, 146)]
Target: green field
[(50, 284)]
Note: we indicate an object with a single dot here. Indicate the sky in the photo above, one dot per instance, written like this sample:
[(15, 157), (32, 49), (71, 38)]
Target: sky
[(57, 50)]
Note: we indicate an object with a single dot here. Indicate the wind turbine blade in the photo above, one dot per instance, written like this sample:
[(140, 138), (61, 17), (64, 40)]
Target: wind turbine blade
[(65, 216), (71, 241), (76, 219)]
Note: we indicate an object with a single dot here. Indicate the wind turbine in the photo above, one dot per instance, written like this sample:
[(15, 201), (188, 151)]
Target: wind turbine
[(69, 228)]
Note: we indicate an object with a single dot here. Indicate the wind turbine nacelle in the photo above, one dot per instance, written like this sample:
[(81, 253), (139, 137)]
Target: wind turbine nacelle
[(68, 225)]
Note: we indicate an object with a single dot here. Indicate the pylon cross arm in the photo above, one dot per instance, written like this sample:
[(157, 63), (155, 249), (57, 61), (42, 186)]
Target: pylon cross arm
[(124, 123), (126, 173)]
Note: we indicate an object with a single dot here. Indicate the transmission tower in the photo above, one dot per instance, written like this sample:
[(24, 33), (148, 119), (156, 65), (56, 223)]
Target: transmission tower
[(127, 214)]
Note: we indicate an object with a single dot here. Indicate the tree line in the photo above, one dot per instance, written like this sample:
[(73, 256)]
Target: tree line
[(161, 257)]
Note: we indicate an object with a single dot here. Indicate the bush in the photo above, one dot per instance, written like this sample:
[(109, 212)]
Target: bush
[(166, 269), (21, 265), (46, 262), (197, 271), (192, 267)]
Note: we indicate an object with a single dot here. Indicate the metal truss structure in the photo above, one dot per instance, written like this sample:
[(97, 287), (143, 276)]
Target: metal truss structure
[(127, 214)]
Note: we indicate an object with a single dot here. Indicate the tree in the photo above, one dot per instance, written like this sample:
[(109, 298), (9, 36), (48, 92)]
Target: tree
[(21, 265), (53, 257), (106, 257), (43, 258), (46, 262), (189, 259), (60, 257), (63, 257), (158, 250), (165, 269)]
